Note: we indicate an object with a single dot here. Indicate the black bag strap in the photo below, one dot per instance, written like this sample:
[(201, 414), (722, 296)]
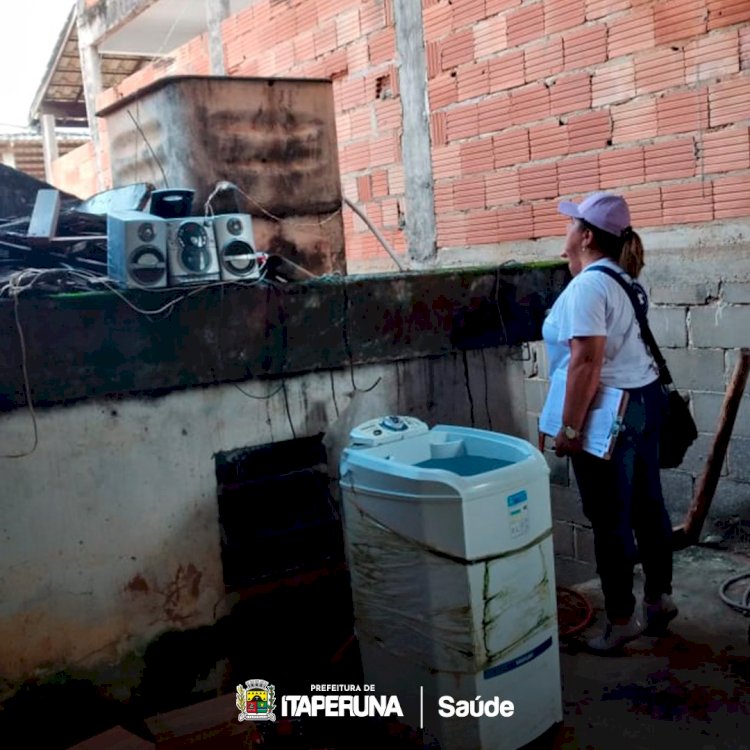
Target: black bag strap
[(665, 376)]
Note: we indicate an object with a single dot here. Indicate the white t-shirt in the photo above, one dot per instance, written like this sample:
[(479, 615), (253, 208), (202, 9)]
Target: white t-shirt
[(594, 304)]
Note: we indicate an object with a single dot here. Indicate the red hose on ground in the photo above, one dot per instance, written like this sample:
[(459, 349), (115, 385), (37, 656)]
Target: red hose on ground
[(572, 604)]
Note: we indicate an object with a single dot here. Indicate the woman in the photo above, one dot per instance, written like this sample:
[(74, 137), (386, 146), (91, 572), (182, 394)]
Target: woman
[(593, 334)]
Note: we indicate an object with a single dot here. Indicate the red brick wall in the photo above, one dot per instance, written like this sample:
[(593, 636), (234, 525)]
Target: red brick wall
[(77, 171), (531, 101), (354, 44), (539, 100)]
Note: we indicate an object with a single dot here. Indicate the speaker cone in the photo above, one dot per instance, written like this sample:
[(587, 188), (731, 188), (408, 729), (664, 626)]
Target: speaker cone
[(147, 265), (239, 258)]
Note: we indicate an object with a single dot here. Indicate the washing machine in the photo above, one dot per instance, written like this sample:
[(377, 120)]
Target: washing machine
[(448, 535)]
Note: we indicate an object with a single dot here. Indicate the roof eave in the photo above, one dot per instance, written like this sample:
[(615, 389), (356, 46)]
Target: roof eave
[(62, 40)]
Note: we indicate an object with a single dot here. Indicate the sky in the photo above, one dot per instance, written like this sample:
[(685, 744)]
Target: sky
[(28, 32)]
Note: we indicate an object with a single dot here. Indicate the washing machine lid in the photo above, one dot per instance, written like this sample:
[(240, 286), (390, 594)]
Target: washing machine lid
[(466, 459), (382, 430)]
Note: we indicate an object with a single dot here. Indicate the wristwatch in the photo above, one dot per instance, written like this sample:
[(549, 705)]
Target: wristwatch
[(571, 433)]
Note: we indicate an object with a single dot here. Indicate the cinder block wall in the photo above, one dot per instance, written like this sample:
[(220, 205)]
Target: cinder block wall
[(700, 328), (529, 101)]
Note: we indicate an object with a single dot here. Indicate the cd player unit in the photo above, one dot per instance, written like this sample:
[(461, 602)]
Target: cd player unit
[(191, 250)]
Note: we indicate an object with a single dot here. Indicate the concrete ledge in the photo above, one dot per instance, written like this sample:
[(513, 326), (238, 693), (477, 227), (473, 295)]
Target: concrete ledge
[(94, 344)]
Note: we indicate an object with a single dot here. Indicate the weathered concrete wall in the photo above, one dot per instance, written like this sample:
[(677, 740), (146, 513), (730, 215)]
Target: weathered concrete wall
[(700, 315), (110, 530), (86, 345)]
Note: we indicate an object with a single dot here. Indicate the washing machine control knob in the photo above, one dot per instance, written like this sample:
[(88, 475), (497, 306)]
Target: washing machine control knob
[(394, 423), (383, 430)]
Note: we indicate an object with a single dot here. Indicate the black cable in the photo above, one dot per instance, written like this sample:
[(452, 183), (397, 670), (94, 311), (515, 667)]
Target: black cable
[(486, 389), (288, 412), (26, 386), (525, 348), (153, 153), (347, 346), (465, 360), (333, 393), (284, 348), (259, 398)]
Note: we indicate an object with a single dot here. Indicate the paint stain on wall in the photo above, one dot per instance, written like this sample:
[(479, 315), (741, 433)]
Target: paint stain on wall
[(137, 584), (178, 594)]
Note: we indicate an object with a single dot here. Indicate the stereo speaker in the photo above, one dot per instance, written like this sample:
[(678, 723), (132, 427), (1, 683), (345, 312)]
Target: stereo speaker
[(136, 250), (235, 247)]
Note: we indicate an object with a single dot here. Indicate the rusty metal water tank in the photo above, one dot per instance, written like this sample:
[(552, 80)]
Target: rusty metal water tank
[(275, 138)]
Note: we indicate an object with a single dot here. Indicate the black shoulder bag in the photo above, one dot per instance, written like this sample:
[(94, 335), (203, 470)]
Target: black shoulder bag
[(678, 430)]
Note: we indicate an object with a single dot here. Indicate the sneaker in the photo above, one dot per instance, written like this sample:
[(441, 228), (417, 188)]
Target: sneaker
[(657, 614), (616, 636)]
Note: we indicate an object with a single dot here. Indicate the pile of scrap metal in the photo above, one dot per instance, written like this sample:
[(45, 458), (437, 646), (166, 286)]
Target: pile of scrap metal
[(43, 228), (46, 230)]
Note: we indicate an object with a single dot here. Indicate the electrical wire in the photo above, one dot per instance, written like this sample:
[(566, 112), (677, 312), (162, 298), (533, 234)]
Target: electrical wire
[(259, 398), (161, 51), (153, 153), (283, 348), (345, 335), (224, 185), (525, 348), (288, 410), (26, 386), (169, 306)]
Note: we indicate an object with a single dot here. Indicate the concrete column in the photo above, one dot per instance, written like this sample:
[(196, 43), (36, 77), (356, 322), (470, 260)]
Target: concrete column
[(91, 70), (421, 227), (49, 144), (216, 12)]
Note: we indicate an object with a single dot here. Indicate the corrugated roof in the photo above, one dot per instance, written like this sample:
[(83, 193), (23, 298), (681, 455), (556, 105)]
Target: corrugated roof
[(61, 91)]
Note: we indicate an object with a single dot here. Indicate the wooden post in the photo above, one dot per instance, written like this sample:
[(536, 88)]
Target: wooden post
[(704, 492)]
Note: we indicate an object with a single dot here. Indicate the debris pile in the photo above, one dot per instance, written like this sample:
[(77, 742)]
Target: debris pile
[(47, 230)]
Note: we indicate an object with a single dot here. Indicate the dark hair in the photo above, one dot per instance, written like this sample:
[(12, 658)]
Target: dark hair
[(626, 250)]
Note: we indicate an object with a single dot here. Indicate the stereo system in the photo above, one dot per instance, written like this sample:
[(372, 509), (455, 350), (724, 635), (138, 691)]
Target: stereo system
[(146, 251)]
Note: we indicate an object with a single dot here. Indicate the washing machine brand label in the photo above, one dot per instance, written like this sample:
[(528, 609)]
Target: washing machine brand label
[(519, 661), (518, 514), (449, 707)]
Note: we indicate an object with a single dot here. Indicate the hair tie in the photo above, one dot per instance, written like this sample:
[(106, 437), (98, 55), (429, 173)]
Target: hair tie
[(627, 233)]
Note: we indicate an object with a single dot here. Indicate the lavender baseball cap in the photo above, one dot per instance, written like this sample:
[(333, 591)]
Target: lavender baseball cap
[(603, 210)]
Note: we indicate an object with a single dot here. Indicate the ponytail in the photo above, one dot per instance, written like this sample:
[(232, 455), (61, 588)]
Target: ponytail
[(631, 255), (626, 249)]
